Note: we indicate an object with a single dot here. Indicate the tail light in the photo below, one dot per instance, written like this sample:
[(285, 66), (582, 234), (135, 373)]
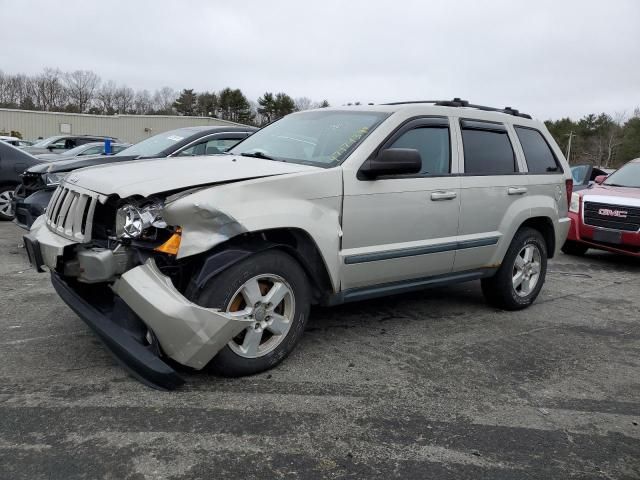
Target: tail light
[(569, 185)]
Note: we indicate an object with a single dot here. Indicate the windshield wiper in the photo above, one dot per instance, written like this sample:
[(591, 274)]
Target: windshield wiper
[(257, 155)]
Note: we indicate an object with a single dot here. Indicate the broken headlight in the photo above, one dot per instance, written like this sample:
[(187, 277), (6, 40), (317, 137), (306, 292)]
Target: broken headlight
[(132, 220), (54, 179)]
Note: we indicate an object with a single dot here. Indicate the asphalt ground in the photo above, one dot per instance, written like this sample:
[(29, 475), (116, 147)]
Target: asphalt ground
[(427, 385)]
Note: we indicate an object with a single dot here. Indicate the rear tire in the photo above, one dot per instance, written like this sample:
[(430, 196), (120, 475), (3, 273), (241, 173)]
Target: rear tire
[(519, 279), (248, 286), (571, 247), (6, 198)]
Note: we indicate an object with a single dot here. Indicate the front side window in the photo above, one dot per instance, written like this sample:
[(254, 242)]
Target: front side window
[(322, 138), (220, 145), (433, 145), (197, 149), (97, 150), (537, 153), (487, 152), (579, 174)]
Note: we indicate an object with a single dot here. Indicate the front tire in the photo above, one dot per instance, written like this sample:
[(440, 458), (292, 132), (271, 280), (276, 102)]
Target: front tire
[(271, 288), (519, 279), (6, 199)]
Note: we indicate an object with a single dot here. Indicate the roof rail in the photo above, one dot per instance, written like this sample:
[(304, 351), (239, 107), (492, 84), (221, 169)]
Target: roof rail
[(457, 102)]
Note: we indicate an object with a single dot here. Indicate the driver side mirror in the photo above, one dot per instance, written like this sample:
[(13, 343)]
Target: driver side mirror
[(392, 161), (600, 178)]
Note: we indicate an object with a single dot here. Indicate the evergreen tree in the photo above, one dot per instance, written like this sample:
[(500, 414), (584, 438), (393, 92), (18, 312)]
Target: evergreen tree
[(185, 104)]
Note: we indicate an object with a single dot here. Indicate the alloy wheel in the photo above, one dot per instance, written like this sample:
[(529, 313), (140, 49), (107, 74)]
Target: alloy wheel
[(268, 301), (526, 270)]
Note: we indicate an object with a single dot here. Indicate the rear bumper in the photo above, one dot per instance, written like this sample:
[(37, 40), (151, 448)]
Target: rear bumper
[(582, 233), (124, 343)]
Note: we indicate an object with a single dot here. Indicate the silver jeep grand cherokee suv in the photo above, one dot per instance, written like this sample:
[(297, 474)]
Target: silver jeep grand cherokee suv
[(215, 261)]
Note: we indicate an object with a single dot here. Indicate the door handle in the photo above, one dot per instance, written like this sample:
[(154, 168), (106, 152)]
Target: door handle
[(441, 195), (517, 190)]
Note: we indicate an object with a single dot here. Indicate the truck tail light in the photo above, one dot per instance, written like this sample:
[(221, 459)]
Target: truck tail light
[(569, 185)]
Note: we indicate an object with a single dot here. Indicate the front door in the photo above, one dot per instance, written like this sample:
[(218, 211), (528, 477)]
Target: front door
[(404, 227)]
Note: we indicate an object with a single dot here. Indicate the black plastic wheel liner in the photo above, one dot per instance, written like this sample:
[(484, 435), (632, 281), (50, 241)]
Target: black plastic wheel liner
[(138, 359)]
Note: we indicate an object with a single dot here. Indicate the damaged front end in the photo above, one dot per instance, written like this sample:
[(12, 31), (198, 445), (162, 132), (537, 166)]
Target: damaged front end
[(115, 263)]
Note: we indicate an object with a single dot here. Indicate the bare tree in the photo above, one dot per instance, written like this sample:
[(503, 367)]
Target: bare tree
[(81, 87), (163, 100), (614, 136), (123, 99), (142, 103), (107, 97), (303, 103), (49, 93)]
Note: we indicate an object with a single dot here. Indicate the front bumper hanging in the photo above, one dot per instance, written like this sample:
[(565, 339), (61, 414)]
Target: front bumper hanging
[(139, 359)]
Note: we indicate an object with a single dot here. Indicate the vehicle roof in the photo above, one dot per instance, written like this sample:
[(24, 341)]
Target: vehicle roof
[(95, 144), (428, 108), (218, 128)]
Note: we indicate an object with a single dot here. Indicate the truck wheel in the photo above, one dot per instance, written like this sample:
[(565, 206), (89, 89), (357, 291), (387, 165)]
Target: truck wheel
[(519, 279), (273, 289), (6, 199), (574, 248)]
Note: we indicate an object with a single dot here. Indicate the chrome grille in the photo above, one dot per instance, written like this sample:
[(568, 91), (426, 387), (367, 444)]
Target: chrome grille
[(593, 215), (70, 214)]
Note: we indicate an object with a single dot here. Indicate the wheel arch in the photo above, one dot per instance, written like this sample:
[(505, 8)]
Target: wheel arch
[(544, 225), (295, 241)]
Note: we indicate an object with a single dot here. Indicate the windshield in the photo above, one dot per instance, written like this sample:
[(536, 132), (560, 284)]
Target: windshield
[(76, 151), (627, 176), (44, 142), (321, 138), (155, 145)]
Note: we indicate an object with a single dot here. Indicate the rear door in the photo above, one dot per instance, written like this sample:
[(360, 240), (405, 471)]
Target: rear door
[(402, 227), (545, 173), (492, 182)]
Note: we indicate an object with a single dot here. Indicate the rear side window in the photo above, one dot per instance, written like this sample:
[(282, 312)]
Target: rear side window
[(537, 153), (433, 145), (487, 152)]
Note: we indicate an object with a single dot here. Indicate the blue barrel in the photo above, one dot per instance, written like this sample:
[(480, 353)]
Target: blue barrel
[(107, 146)]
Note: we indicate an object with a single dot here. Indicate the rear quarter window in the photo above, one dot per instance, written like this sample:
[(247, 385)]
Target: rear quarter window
[(537, 153)]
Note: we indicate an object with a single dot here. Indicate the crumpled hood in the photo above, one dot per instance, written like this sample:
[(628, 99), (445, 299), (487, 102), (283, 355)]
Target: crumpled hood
[(63, 164), (146, 177)]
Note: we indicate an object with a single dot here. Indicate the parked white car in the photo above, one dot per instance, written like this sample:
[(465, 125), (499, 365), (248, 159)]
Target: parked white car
[(215, 261)]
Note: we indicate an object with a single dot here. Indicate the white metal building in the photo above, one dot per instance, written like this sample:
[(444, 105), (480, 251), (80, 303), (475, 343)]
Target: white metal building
[(127, 128)]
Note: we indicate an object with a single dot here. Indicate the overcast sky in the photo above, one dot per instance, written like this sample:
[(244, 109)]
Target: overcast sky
[(547, 58)]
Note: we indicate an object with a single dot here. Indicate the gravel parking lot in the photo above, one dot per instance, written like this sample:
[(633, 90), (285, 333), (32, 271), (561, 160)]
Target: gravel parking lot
[(427, 385)]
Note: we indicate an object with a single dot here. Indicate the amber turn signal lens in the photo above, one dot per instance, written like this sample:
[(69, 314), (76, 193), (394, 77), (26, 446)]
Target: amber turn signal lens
[(172, 245)]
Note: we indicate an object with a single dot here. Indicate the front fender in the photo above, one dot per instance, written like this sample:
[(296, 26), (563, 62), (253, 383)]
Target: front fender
[(309, 201)]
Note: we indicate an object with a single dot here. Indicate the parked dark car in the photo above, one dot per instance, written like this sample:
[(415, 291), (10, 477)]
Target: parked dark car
[(93, 148), (38, 183), (13, 161), (585, 175), (62, 143)]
